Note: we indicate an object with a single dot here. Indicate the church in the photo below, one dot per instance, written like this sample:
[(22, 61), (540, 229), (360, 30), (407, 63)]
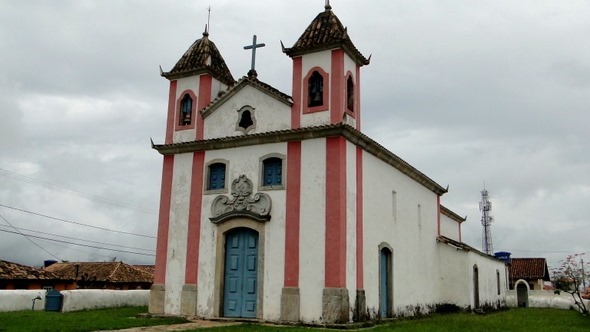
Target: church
[(277, 207)]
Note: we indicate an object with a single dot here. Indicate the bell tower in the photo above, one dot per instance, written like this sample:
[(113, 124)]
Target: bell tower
[(195, 80), (326, 74)]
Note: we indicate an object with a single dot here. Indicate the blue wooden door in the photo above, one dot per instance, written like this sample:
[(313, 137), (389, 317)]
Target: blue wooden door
[(384, 282), (240, 281)]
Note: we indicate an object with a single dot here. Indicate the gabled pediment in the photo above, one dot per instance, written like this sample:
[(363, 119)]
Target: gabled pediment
[(242, 83)]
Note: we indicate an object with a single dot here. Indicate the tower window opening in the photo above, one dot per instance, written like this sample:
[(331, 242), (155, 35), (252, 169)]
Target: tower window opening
[(186, 110), (316, 90), (246, 120), (350, 94)]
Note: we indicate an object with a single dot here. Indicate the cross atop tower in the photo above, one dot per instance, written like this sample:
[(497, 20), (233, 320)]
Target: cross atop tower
[(253, 47)]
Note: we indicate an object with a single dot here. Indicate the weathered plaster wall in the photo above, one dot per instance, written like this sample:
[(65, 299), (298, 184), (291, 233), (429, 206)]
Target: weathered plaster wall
[(86, 299), (545, 299), (15, 300), (269, 114), (312, 225), (177, 239), (411, 234), (244, 161), (449, 227)]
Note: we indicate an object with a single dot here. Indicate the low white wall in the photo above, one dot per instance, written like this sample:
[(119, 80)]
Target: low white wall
[(15, 300), (545, 299), (83, 299)]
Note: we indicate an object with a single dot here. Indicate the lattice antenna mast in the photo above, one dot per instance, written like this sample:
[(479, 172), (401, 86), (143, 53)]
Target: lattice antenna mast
[(485, 206)]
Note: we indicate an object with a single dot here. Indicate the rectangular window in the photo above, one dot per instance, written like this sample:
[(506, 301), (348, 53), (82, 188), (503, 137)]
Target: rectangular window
[(394, 204), (419, 216), (216, 176), (273, 172)]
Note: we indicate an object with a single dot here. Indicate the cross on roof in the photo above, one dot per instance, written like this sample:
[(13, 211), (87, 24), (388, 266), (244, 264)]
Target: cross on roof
[(253, 47)]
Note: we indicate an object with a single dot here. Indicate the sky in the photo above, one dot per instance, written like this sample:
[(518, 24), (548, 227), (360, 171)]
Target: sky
[(471, 93)]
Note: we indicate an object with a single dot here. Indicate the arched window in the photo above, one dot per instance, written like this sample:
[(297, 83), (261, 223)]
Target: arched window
[(350, 94), (216, 176), (186, 110), (273, 171), (315, 96)]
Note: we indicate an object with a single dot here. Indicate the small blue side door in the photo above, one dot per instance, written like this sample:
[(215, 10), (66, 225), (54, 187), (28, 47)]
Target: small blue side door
[(240, 281)]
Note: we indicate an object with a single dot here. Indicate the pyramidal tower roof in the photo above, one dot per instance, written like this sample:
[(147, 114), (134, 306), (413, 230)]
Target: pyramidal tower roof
[(202, 57), (325, 32)]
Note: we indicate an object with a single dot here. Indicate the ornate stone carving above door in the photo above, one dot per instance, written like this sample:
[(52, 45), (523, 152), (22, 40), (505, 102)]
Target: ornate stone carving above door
[(241, 203)]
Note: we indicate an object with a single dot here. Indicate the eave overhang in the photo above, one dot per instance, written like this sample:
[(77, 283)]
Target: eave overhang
[(300, 134)]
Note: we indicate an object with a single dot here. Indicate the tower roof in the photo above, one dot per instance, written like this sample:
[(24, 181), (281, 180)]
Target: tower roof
[(202, 57), (326, 32)]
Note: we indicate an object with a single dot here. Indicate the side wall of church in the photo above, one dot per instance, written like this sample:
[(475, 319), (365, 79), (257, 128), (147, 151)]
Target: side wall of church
[(402, 214), (449, 227), (492, 280)]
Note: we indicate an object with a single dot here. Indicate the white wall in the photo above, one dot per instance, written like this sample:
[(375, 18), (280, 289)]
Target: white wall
[(269, 114), (73, 300), (84, 299), (15, 300), (545, 299), (412, 237), (449, 227)]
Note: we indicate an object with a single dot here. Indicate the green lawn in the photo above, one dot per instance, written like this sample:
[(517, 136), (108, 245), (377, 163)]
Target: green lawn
[(529, 319), (91, 320), (525, 320)]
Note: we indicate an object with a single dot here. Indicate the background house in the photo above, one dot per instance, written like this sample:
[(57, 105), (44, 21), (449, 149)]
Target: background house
[(533, 270), (104, 275), (17, 276)]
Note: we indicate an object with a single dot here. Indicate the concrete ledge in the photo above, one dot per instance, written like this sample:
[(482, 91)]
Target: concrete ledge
[(157, 297), (188, 300), (290, 304), (335, 305)]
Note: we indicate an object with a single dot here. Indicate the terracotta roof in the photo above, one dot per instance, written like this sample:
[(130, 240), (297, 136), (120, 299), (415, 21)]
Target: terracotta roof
[(351, 134), (326, 32), (115, 272), (528, 268), (14, 271), (202, 57), (243, 82)]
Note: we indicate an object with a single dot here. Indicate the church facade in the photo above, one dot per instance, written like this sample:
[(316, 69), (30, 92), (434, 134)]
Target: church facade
[(277, 207)]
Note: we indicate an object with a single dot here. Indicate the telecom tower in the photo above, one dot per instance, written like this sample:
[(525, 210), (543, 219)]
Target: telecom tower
[(485, 206)]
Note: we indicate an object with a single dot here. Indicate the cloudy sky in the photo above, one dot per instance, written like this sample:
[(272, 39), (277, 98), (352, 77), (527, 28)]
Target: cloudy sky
[(469, 92)]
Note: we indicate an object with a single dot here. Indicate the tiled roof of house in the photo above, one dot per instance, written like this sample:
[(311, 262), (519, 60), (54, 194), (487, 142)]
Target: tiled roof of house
[(14, 271), (202, 57), (115, 272), (528, 268), (325, 32)]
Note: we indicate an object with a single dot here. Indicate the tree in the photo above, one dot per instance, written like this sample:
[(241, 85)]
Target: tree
[(571, 277)]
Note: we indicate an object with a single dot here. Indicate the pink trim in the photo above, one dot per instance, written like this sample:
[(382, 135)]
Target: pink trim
[(359, 219), (292, 218), (170, 117), (297, 82), (335, 261), (438, 214), (205, 88), (177, 125), (358, 98), (194, 219), (325, 92), (164, 220), (337, 87)]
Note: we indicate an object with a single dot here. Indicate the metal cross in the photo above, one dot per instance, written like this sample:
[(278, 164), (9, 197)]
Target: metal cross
[(253, 47)]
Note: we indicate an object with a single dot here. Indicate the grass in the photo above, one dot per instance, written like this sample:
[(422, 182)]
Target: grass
[(522, 319), (513, 320), (87, 320)]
